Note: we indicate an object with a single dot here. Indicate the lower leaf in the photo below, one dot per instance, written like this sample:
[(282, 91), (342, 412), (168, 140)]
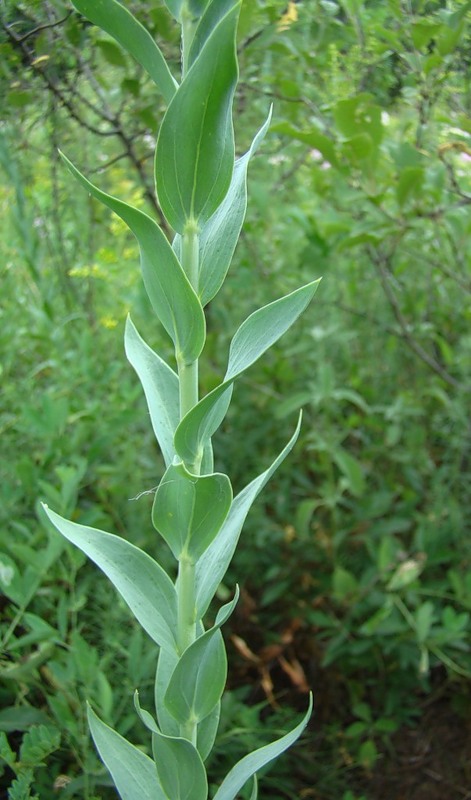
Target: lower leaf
[(248, 766), (133, 772)]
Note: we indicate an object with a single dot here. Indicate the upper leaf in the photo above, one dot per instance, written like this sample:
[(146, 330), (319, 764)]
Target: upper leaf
[(256, 334), (169, 290), (250, 764), (161, 388), (220, 234), (142, 583), (133, 772), (195, 148), (115, 19), (213, 13), (189, 510)]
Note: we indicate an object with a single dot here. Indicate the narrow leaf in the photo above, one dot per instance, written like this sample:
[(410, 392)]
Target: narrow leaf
[(180, 768), (256, 334), (142, 583), (161, 388), (264, 327), (220, 234), (195, 148), (133, 772), (169, 290), (250, 764), (115, 19), (189, 510), (175, 7), (199, 677), (212, 566)]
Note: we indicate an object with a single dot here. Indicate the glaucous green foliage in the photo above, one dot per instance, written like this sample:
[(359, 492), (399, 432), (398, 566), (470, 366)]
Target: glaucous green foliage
[(202, 193)]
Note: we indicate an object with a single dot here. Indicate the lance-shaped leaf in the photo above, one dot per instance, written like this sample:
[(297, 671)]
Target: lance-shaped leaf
[(169, 290), (142, 583), (259, 331), (213, 14), (199, 677), (180, 768), (250, 764), (160, 384), (220, 234), (212, 566), (133, 772), (114, 18), (207, 729), (264, 327), (195, 148), (189, 510)]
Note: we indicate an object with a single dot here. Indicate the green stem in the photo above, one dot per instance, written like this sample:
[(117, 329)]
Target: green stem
[(188, 373), (188, 378), (186, 633)]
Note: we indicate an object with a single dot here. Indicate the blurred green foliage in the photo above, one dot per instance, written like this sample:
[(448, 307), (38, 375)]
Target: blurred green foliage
[(358, 557)]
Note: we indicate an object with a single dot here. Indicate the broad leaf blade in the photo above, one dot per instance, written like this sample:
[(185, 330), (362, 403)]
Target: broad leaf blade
[(250, 764), (212, 566), (142, 583), (114, 18), (180, 768), (219, 236), (189, 510), (161, 388), (199, 677), (264, 327), (133, 772), (195, 148), (169, 290)]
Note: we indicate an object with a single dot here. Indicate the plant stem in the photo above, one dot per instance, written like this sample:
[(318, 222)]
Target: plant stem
[(188, 373), (188, 30), (188, 377)]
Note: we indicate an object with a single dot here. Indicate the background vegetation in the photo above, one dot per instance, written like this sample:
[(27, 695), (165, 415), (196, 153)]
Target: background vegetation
[(358, 557)]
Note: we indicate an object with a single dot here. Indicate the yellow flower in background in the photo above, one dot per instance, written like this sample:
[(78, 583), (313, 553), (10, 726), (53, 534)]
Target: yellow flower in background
[(290, 16), (108, 322)]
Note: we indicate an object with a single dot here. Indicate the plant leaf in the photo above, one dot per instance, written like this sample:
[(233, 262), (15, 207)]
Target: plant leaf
[(207, 729), (199, 677), (256, 334), (213, 14), (264, 327), (115, 19), (169, 290), (133, 772), (212, 566), (175, 7), (161, 388), (250, 764), (180, 768), (142, 583), (195, 147), (189, 510), (219, 236)]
